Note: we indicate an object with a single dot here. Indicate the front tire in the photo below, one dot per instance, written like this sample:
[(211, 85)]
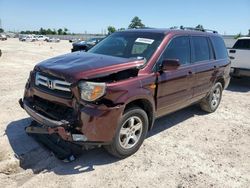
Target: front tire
[(212, 101), (130, 134)]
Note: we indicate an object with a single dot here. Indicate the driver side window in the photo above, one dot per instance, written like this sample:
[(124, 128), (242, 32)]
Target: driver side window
[(178, 48)]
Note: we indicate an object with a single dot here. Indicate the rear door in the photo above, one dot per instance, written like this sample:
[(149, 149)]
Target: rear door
[(203, 60), (174, 88)]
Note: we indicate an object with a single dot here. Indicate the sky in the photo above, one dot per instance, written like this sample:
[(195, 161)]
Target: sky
[(93, 16)]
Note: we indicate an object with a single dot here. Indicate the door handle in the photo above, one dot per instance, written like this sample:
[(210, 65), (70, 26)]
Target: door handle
[(190, 73)]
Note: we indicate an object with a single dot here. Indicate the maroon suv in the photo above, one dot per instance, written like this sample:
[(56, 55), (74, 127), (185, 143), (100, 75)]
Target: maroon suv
[(112, 94)]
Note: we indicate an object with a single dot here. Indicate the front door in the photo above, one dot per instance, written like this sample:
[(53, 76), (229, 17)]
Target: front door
[(175, 86)]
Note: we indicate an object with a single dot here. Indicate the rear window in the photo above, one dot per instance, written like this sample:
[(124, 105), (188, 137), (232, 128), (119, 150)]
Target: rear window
[(201, 48), (219, 47), (242, 44)]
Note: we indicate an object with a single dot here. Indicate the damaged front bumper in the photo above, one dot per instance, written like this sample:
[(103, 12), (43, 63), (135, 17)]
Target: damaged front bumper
[(95, 125), (48, 126)]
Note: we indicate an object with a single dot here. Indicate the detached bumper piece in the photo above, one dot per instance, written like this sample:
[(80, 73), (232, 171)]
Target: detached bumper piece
[(62, 149)]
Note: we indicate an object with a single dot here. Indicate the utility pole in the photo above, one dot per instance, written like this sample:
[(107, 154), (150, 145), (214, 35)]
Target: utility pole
[(0, 23)]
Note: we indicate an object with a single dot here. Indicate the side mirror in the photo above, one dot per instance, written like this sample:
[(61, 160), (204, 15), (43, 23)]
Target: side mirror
[(170, 64)]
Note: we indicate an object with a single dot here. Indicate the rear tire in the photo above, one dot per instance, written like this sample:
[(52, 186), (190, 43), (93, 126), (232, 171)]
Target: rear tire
[(212, 101), (131, 132)]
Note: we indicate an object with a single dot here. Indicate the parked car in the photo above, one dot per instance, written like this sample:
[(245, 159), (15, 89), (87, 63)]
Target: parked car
[(240, 57), (53, 39), (85, 45), (41, 38), (28, 38), (112, 94), (74, 40), (3, 37)]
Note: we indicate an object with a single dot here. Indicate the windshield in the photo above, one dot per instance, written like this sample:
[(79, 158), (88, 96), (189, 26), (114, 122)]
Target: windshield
[(140, 45)]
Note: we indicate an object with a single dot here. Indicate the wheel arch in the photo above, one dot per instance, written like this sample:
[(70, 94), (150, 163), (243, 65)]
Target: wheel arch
[(222, 81), (147, 106)]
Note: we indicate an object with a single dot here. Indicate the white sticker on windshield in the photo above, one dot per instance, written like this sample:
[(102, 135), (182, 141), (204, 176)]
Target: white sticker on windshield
[(144, 40)]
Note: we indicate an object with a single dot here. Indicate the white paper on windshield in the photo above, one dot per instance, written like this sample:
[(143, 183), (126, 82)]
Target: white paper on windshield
[(144, 40)]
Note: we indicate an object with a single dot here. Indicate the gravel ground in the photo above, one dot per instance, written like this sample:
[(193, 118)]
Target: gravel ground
[(188, 148)]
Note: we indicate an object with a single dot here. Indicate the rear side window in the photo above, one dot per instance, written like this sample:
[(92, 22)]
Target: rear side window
[(178, 48), (219, 48), (201, 48), (242, 44)]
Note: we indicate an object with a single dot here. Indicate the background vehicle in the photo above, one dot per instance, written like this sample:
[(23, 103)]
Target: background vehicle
[(85, 45), (27, 38), (52, 39), (41, 38), (3, 37), (240, 57), (112, 94), (74, 40)]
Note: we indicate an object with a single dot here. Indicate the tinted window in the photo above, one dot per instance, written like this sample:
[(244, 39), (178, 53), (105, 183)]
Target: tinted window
[(178, 48), (219, 48), (201, 48), (242, 44)]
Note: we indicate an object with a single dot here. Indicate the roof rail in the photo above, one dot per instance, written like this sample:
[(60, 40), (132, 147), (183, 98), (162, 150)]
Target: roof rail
[(198, 29)]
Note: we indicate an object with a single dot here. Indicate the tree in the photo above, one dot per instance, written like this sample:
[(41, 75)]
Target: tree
[(49, 32), (1, 30), (65, 31), (42, 31), (121, 29), (248, 32), (237, 36), (111, 29), (136, 23), (200, 27), (54, 32), (59, 31)]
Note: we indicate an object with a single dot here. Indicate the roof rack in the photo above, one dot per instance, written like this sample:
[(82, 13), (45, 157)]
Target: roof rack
[(198, 29)]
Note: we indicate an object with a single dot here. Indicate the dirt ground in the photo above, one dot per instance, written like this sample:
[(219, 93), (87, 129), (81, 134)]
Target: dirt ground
[(188, 148)]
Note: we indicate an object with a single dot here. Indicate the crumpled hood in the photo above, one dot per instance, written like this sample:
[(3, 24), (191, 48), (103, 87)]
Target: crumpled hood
[(80, 65)]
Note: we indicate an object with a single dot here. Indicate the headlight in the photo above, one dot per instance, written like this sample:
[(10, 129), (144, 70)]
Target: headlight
[(90, 91)]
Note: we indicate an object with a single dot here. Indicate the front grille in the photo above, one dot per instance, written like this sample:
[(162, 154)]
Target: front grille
[(52, 85), (52, 110)]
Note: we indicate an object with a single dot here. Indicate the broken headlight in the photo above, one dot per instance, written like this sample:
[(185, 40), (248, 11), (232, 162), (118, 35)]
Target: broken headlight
[(90, 91)]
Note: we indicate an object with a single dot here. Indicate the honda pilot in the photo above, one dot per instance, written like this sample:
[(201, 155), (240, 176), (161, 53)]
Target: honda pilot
[(112, 94)]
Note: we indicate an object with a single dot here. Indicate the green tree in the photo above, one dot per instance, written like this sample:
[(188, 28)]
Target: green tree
[(237, 36), (136, 23), (111, 29), (42, 31), (60, 31), (49, 32), (65, 31), (200, 27), (121, 29), (54, 32), (1, 30)]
